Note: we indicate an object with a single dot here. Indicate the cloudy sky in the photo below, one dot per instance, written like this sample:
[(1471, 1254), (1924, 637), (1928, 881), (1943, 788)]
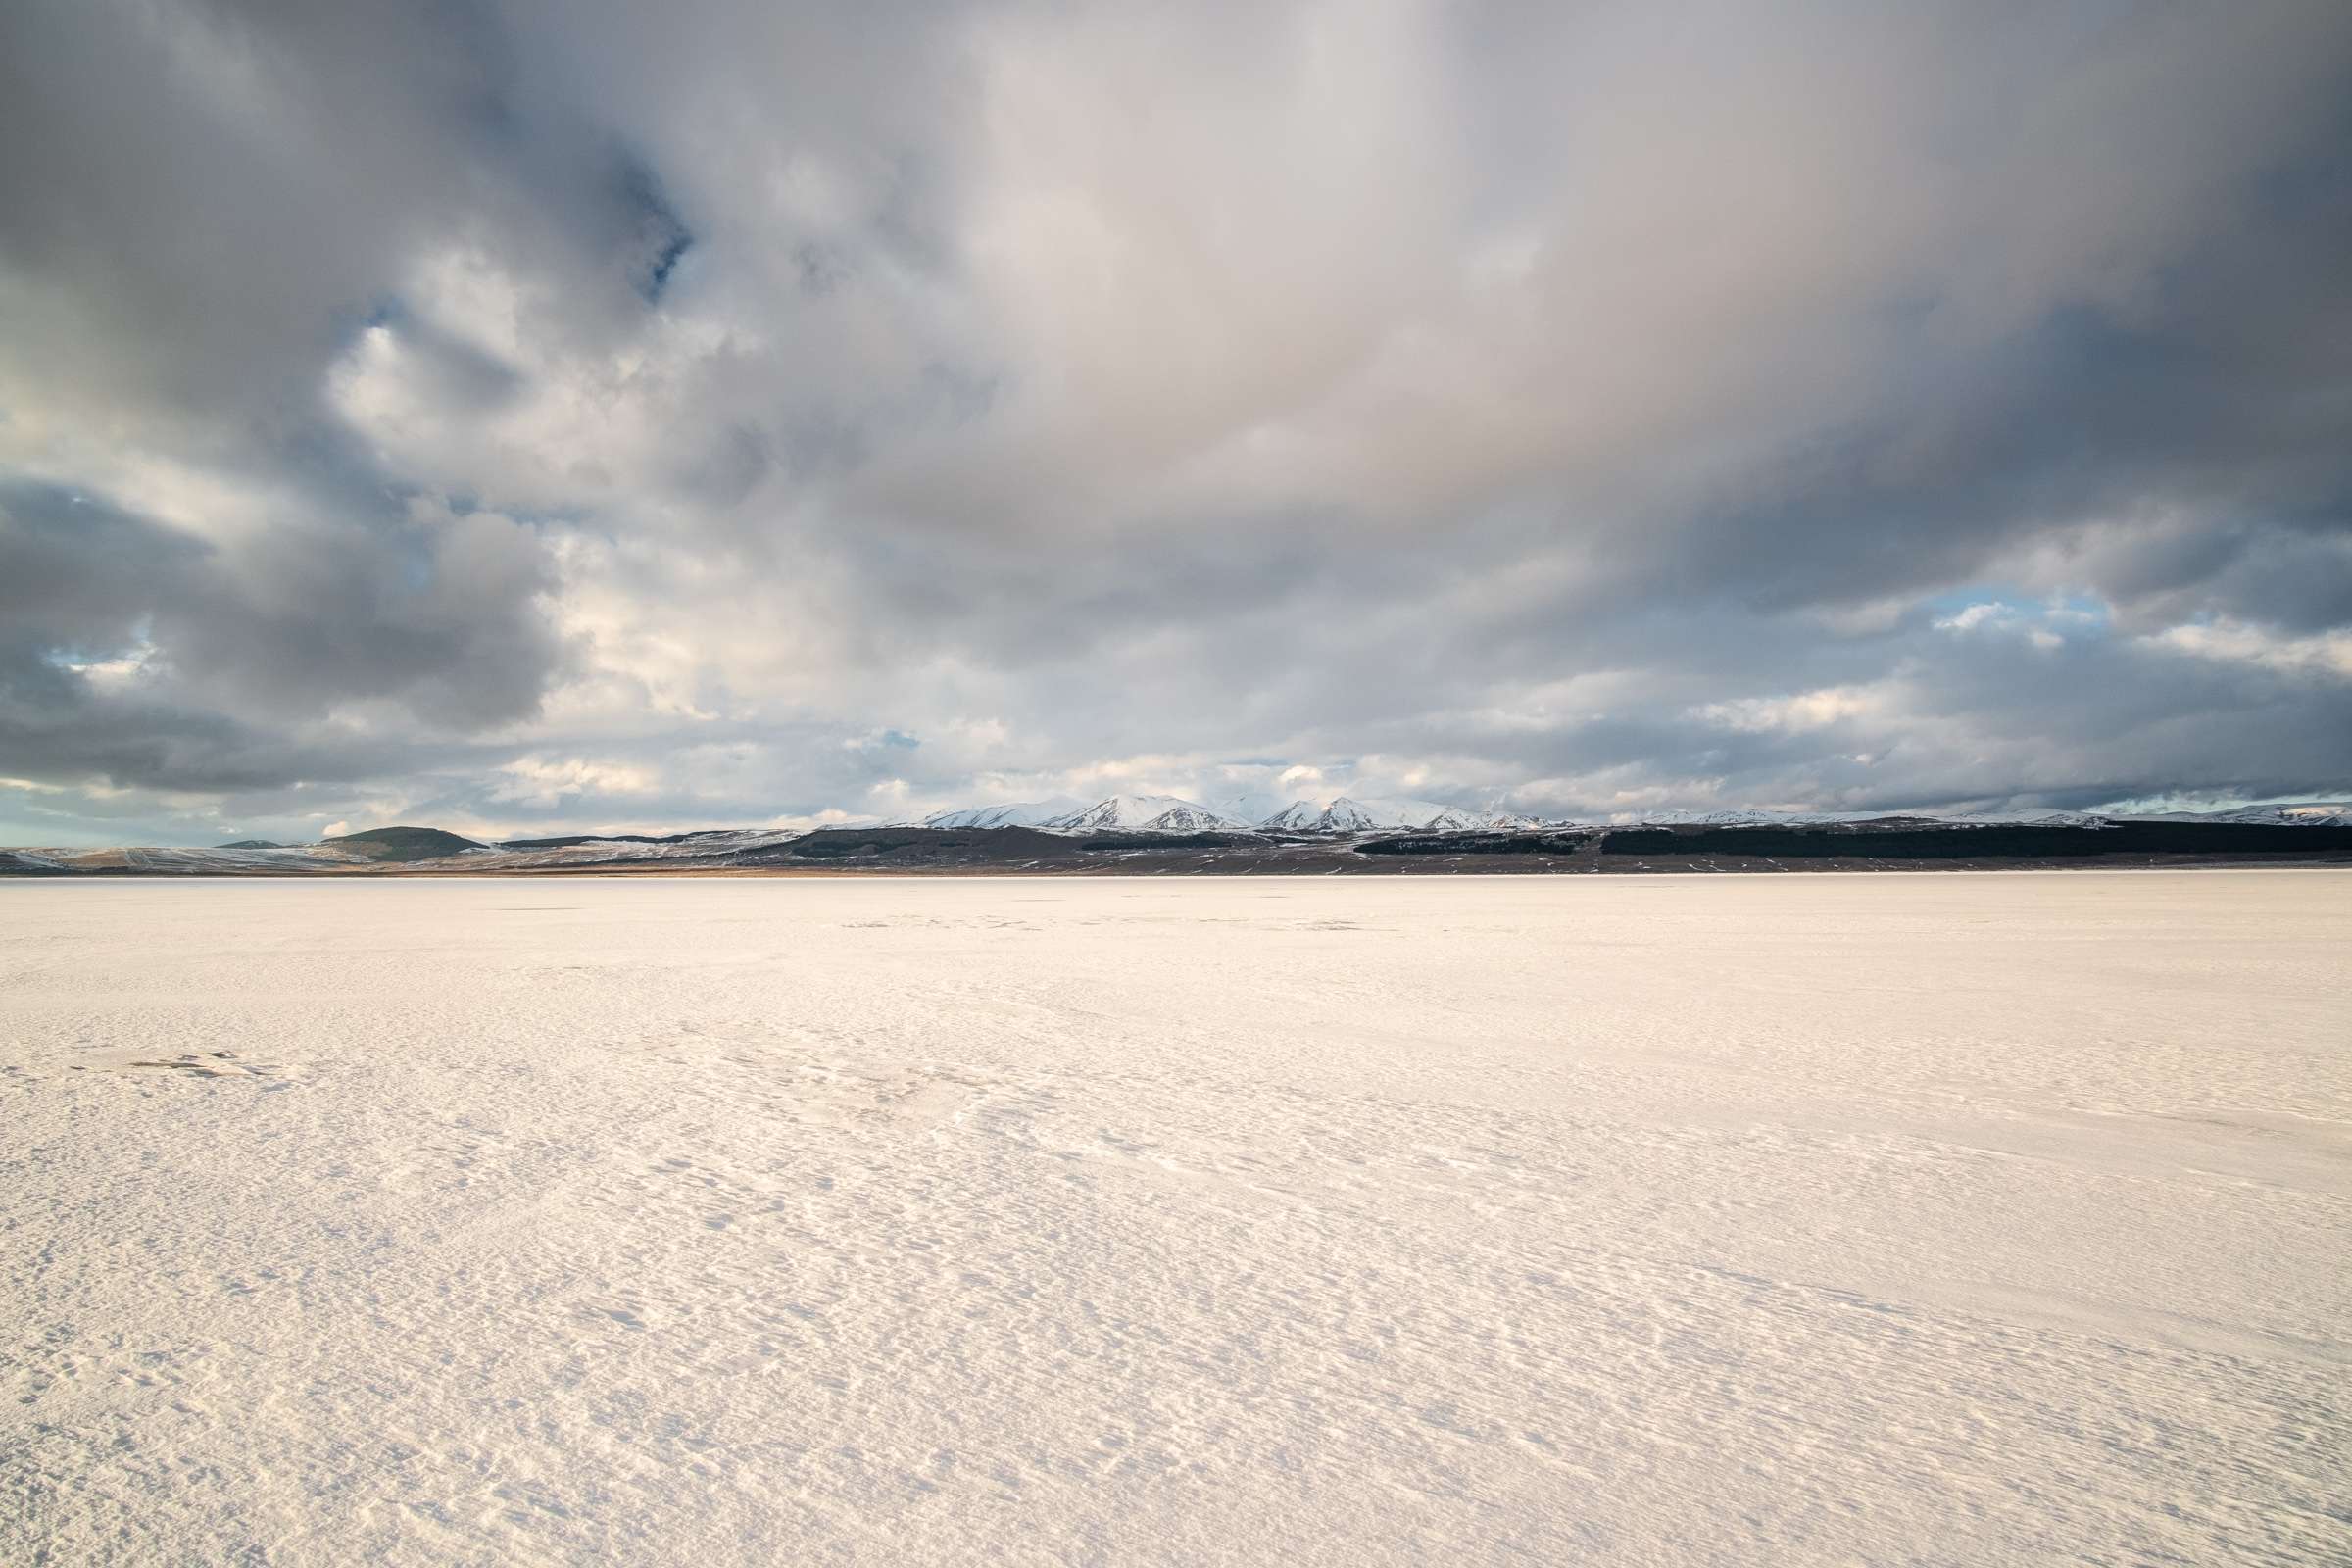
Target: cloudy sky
[(557, 415)]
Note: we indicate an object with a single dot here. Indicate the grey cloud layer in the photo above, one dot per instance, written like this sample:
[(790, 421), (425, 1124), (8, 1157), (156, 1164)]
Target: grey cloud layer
[(582, 414)]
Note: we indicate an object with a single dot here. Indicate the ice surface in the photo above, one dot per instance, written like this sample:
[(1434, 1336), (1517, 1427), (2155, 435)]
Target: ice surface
[(1953, 1219)]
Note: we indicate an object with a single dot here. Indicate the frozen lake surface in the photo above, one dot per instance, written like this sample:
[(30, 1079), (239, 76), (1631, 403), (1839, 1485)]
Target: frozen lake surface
[(1739, 1220)]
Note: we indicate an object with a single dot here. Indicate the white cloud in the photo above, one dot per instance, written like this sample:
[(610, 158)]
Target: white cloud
[(1799, 712), (1976, 616), (2327, 655), (544, 781)]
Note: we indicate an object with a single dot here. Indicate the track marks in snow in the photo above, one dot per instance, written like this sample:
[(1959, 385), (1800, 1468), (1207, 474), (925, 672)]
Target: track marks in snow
[(205, 1064)]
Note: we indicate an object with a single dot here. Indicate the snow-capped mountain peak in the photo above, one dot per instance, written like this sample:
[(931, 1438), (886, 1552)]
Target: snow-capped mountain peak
[(1141, 814), (2299, 813), (1018, 813), (1348, 815)]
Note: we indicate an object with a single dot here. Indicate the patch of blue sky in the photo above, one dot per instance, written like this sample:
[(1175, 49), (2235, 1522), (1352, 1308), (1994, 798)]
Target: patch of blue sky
[(2011, 601)]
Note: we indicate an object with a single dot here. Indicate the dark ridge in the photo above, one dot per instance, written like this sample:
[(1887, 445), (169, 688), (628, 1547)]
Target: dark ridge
[(1098, 842), (251, 844), (913, 846), (400, 845), (1539, 843), (2022, 842), (14, 865)]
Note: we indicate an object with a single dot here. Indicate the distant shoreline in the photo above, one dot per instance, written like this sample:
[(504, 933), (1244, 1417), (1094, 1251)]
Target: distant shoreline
[(1825, 848), (1820, 844), (820, 873)]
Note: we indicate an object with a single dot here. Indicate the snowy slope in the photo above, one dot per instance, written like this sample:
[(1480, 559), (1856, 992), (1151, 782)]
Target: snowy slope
[(711, 843), (1141, 814), (1019, 813), (1299, 816), (1349, 814), (2306, 814), (297, 858), (192, 862)]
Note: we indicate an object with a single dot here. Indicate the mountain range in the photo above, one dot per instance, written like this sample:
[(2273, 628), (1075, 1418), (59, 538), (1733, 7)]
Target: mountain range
[(1349, 814), (1171, 814), (1158, 833)]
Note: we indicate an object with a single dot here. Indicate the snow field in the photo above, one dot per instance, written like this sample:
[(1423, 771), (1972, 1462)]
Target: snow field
[(1954, 1219)]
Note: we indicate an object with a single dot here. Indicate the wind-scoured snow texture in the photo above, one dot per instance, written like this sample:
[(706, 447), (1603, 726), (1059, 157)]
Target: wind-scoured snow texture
[(1987, 1219)]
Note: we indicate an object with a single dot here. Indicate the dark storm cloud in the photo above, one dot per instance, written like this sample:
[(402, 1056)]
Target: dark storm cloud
[(132, 649), (77, 575), (577, 413), (2208, 398)]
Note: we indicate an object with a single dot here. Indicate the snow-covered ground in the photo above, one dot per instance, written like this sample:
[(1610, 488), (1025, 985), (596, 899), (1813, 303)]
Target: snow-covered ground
[(1739, 1220)]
